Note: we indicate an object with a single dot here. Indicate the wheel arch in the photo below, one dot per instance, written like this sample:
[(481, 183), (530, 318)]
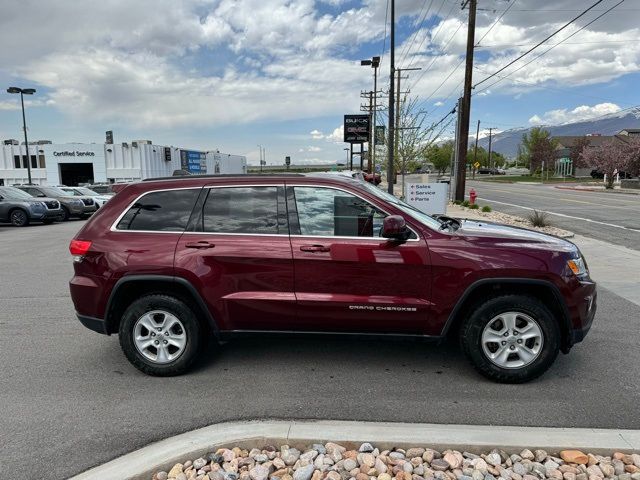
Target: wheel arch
[(139, 285), (22, 209), (544, 290)]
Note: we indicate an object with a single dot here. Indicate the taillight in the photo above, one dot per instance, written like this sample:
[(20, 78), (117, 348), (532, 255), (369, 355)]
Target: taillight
[(79, 248)]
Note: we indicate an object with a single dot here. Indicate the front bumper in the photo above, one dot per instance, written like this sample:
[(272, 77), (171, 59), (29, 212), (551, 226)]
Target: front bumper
[(585, 312), (89, 209), (53, 214)]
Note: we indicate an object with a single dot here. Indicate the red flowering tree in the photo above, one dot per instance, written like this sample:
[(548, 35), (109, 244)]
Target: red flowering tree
[(619, 154)]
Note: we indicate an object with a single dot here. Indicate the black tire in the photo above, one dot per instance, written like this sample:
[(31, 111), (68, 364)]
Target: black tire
[(65, 214), (47, 221), (179, 309), (473, 326), (19, 218)]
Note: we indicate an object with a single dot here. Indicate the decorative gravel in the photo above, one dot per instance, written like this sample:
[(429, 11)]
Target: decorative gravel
[(336, 462)]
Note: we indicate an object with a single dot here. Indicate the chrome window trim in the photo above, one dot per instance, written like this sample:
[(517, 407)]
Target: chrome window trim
[(124, 212), (278, 184), (417, 239)]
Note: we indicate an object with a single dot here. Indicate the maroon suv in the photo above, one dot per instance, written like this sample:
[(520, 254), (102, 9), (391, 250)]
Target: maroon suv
[(168, 263)]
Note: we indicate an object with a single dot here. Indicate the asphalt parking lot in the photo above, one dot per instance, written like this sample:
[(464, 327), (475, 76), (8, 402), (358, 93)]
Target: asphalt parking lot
[(69, 400)]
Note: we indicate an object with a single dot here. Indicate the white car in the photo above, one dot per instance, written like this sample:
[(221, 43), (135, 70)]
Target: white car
[(86, 192)]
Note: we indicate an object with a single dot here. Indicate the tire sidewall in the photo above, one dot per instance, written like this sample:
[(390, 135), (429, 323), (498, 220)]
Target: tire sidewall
[(174, 306), (19, 211), (471, 337)]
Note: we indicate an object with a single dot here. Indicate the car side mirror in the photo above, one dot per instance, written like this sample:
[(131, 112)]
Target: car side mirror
[(395, 228)]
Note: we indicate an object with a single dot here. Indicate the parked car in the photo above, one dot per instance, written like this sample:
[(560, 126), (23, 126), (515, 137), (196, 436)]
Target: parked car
[(20, 208), (491, 171), (168, 263), (101, 188), (80, 207), (99, 199)]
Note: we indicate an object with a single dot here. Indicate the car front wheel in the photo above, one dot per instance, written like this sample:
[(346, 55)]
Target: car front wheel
[(160, 335), (19, 218), (511, 338)]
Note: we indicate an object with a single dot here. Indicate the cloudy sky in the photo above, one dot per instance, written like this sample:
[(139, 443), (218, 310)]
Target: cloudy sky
[(232, 74)]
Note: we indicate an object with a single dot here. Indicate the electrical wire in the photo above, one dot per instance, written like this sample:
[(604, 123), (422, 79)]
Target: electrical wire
[(552, 47), (538, 44), (405, 52)]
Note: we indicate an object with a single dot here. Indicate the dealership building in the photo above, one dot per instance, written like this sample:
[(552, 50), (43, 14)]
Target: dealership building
[(79, 163)]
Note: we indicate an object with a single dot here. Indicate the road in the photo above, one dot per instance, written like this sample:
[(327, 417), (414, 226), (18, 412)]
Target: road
[(70, 400), (612, 217)]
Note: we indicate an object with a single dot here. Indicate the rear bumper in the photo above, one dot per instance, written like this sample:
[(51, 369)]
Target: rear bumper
[(92, 323)]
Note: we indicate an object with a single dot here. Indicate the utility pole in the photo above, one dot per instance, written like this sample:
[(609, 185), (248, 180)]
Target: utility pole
[(399, 128), (370, 110), (463, 139), (475, 150), (490, 164), (392, 72)]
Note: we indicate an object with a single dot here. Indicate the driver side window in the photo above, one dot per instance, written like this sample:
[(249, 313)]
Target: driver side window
[(327, 212)]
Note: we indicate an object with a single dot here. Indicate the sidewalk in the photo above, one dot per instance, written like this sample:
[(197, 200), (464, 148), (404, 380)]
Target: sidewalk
[(613, 267)]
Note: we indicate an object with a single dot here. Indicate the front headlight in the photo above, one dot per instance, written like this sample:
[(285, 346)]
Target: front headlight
[(37, 206), (578, 266), (79, 203)]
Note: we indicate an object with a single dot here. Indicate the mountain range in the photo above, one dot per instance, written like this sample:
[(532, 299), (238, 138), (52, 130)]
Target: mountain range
[(507, 141)]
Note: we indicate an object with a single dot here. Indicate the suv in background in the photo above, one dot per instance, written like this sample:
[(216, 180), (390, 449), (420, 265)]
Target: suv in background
[(20, 208), (169, 263), (99, 199), (80, 207)]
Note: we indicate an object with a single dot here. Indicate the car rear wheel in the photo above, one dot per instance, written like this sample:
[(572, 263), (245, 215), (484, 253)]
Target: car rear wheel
[(160, 335), (19, 218), (511, 338)]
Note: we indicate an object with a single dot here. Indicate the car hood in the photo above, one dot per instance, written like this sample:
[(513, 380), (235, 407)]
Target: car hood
[(505, 235), (38, 199)]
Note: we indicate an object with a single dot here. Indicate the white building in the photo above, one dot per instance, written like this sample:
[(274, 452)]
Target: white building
[(74, 163)]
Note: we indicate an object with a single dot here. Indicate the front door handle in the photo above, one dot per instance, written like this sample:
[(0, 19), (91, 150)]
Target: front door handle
[(314, 248), (200, 244)]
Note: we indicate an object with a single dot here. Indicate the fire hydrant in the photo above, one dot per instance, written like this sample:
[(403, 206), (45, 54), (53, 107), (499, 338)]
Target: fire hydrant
[(472, 196)]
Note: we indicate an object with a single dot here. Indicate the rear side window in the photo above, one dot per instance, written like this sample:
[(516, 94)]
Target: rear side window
[(245, 210), (167, 211)]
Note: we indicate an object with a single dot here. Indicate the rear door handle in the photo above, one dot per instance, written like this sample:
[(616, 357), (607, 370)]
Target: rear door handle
[(314, 248), (200, 244)]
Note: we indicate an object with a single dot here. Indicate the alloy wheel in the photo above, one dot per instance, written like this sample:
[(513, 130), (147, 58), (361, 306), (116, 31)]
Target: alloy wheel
[(18, 218), (159, 336), (512, 340)]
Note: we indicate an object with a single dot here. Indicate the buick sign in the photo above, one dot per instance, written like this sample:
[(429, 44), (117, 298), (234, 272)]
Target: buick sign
[(356, 128)]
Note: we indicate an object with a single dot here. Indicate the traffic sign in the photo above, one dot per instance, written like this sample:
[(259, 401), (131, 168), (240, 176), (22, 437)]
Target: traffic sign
[(477, 164)]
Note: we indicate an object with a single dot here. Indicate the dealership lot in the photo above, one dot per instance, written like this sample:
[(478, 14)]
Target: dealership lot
[(66, 389)]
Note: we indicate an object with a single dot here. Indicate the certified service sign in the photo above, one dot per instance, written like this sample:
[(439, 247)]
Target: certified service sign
[(430, 198)]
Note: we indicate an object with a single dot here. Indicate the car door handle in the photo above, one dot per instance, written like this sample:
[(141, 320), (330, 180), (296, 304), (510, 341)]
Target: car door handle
[(314, 248), (200, 244)]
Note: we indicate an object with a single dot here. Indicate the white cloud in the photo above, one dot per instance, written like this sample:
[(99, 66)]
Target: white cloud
[(438, 104), (581, 113), (316, 134)]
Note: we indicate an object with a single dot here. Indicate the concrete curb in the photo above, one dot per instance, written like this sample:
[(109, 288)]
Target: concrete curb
[(141, 464)]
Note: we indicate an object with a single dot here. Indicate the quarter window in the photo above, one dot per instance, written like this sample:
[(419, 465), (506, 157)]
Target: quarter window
[(328, 212), (167, 211), (248, 210)]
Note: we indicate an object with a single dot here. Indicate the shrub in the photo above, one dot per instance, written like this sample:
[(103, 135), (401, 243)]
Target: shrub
[(465, 203), (474, 206), (486, 208), (539, 219), (457, 202)]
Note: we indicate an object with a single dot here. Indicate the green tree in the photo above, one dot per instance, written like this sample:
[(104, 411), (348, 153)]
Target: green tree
[(440, 156), (538, 146)]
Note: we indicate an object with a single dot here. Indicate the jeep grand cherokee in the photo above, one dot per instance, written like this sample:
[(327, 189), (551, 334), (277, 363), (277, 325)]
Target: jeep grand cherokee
[(167, 263)]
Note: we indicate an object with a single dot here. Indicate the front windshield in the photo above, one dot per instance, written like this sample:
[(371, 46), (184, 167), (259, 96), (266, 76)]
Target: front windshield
[(405, 207), (14, 194)]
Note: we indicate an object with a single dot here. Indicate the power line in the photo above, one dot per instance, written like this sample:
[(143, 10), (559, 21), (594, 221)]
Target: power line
[(566, 43), (437, 31), (496, 22), (538, 44), (405, 52), (552, 46), (384, 40)]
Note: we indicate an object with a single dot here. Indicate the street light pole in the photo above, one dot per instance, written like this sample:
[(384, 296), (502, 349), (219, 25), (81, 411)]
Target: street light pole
[(22, 92)]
